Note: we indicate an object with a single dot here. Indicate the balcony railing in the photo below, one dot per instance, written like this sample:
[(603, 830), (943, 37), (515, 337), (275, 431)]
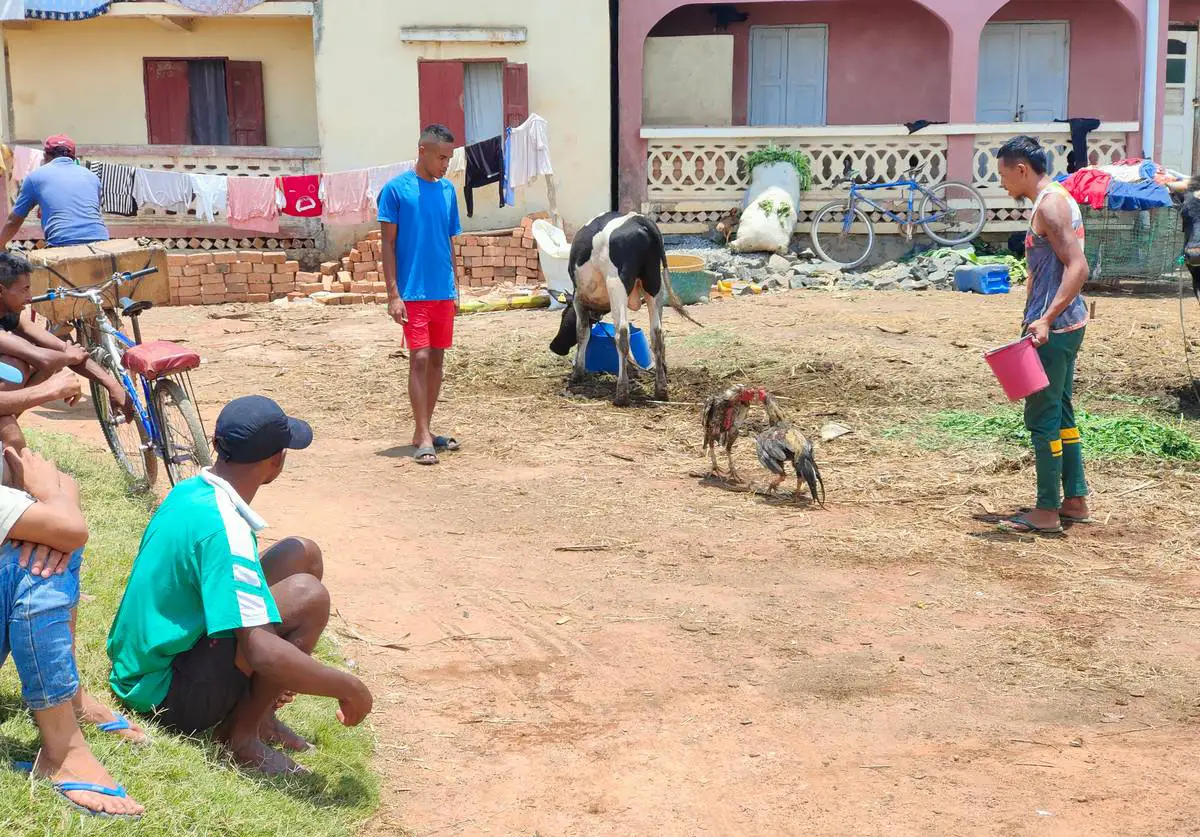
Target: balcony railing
[(696, 175)]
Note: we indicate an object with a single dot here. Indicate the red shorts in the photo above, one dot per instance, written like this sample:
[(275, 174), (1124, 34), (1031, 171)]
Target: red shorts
[(430, 324)]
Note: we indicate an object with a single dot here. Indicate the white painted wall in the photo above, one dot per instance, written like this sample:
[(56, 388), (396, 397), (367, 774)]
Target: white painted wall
[(688, 81), (367, 95)]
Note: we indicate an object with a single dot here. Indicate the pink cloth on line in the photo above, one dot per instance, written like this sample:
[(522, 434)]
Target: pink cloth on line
[(25, 160), (345, 196), (253, 204)]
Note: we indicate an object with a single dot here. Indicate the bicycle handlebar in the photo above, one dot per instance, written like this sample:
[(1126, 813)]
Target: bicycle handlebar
[(87, 293)]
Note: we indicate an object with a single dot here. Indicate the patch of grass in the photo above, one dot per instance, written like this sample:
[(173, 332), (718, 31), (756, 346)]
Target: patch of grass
[(187, 786), (1109, 437)]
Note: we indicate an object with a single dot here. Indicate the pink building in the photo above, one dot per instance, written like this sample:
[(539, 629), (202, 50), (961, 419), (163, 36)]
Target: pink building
[(701, 83)]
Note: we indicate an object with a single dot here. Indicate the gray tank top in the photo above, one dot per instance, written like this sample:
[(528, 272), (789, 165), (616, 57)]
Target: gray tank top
[(1046, 271)]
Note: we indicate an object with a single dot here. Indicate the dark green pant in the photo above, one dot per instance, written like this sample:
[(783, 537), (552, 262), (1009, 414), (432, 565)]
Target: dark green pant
[(1050, 418)]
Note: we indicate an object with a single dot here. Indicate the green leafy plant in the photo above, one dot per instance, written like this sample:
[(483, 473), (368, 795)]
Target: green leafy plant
[(767, 206), (774, 154)]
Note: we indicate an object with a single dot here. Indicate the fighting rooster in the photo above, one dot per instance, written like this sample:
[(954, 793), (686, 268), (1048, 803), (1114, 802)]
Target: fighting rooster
[(724, 416), (780, 444)]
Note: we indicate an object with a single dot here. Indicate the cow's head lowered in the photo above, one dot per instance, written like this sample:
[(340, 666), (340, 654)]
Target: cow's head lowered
[(1190, 211), (568, 334)]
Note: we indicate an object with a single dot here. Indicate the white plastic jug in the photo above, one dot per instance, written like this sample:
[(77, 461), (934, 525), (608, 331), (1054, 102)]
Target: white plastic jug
[(553, 252)]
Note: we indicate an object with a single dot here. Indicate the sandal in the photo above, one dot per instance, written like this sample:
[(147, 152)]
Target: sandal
[(119, 724), (445, 443), (1021, 525), (425, 456), (63, 788), (1068, 519)]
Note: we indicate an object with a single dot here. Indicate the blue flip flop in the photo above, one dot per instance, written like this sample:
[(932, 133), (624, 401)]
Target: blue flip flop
[(10, 374), (63, 788), (445, 443)]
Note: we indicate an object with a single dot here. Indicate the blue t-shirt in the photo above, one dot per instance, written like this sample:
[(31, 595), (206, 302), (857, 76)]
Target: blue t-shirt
[(69, 196), (426, 217)]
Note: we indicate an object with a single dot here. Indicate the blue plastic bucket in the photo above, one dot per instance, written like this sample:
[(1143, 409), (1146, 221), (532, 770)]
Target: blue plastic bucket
[(602, 349)]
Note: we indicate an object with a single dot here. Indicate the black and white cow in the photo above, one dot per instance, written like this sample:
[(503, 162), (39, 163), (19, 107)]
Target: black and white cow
[(618, 261)]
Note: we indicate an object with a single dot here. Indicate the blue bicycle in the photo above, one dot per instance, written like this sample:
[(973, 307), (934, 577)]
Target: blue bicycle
[(950, 213), (155, 376)]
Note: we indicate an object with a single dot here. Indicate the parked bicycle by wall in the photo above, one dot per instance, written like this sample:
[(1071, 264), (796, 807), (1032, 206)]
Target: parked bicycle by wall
[(154, 374)]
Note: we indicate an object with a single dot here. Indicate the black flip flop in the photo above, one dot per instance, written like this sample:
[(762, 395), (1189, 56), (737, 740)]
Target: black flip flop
[(1021, 525)]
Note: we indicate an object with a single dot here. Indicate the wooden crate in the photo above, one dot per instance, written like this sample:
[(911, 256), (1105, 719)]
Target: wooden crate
[(92, 264)]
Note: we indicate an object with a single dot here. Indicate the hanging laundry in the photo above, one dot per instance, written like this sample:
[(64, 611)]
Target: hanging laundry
[(214, 8), (212, 195), (25, 160), (380, 176), (529, 156), (458, 164), (169, 190), (301, 195), (12, 9), (485, 165), (510, 194), (116, 188), (1089, 186), (344, 195), (65, 9), (1080, 128), (253, 204)]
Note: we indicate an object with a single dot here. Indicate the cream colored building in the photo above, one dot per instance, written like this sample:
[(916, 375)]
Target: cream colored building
[(341, 89)]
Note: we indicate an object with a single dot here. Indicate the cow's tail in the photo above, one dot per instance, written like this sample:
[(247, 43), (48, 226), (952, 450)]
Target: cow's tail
[(672, 297)]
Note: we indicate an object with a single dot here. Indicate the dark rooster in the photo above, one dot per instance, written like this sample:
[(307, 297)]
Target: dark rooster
[(780, 444), (724, 416)]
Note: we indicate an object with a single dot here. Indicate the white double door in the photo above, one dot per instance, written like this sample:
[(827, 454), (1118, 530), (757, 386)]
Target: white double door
[(787, 75), (1023, 72)]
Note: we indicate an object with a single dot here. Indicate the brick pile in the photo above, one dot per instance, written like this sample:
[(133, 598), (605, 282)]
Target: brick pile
[(230, 276), (355, 279), (486, 259)]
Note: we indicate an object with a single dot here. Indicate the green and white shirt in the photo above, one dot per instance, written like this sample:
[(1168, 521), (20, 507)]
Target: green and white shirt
[(196, 575)]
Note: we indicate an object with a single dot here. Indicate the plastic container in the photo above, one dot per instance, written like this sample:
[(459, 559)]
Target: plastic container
[(691, 281), (982, 278), (1018, 368), (602, 349), (554, 253)]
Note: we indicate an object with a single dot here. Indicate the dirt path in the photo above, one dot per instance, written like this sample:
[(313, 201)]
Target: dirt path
[(716, 662)]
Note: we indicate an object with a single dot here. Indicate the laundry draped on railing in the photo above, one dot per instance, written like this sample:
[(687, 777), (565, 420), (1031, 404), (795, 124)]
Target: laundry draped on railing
[(256, 203), (217, 7), (65, 9)]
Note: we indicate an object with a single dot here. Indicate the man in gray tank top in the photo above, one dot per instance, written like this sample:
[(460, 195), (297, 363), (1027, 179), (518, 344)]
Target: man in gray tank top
[(1056, 316)]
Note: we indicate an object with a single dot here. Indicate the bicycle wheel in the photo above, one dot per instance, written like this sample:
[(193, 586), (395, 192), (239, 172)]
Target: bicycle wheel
[(833, 243), (186, 448), (956, 211), (128, 440)]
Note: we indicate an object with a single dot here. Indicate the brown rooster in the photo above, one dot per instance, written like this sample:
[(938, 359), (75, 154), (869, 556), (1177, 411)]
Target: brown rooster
[(780, 444), (724, 416)]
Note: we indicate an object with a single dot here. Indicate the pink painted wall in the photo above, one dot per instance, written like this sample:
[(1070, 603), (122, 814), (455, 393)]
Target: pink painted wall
[(886, 64), (1106, 50), (1185, 11)]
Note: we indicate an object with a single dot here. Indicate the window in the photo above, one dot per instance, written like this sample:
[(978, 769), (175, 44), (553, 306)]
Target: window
[(1023, 69), (787, 75), (476, 100), (204, 101)]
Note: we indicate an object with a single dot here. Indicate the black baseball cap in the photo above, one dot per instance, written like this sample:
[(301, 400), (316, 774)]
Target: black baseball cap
[(254, 428)]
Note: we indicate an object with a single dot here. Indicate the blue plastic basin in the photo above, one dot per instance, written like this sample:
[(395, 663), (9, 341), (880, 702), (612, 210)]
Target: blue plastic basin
[(982, 279), (602, 349)]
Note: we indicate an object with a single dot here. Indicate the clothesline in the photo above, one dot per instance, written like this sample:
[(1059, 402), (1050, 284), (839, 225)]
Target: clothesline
[(513, 160)]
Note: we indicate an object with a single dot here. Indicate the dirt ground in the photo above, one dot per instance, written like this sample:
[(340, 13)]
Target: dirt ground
[(591, 639)]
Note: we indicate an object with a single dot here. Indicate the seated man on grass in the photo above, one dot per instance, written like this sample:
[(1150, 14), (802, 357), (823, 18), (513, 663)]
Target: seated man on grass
[(38, 355), (40, 514), (212, 636)]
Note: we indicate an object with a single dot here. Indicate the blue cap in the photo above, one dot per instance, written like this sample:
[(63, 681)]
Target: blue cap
[(254, 428)]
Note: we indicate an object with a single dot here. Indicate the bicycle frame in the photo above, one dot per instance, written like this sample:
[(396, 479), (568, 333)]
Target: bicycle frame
[(112, 341), (912, 187)]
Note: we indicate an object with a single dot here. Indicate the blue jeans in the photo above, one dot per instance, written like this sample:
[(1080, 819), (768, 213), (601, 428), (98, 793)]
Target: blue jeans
[(35, 626)]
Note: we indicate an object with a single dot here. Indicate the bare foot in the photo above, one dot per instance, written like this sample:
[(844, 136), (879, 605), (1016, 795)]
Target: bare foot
[(81, 766), (257, 756), (1076, 508), (275, 731), (91, 711)]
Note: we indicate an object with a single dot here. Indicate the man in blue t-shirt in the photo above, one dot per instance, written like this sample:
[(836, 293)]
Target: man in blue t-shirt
[(68, 195), (419, 214)]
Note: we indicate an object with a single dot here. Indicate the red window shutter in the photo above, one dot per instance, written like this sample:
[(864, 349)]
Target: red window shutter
[(247, 109), (516, 94), (168, 102), (440, 88)]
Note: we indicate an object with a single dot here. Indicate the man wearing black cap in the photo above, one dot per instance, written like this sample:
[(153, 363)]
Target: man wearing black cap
[(209, 633)]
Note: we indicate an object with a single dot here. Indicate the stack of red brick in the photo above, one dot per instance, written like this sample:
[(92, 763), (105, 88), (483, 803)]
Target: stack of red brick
[(355, 279), (230, 276), (485, 259)]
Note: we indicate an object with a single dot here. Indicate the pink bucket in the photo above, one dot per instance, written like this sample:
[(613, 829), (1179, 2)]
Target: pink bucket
[(1018, 368)]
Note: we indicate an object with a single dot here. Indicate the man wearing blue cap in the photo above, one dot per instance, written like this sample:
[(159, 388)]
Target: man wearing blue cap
[(211, 634)]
